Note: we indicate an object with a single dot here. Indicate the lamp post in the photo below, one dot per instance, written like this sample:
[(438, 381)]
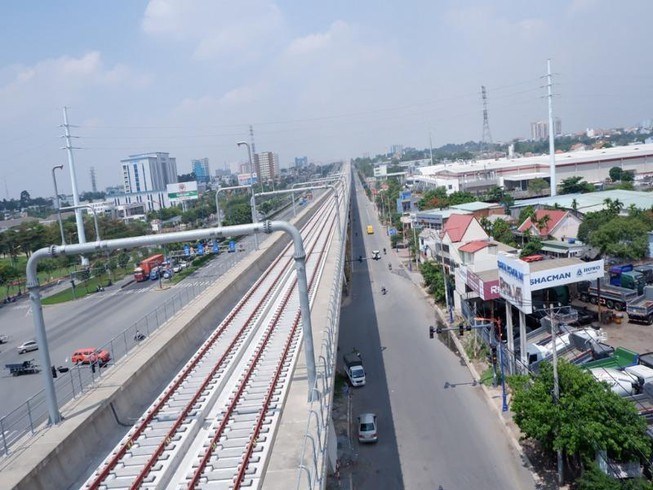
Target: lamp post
[(56, 203), (446, 285), (251, 181)]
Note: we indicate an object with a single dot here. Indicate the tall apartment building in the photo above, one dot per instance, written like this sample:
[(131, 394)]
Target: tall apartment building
[(148, 172), (301, 162), (540, 129), (201, 170), (267, 165)]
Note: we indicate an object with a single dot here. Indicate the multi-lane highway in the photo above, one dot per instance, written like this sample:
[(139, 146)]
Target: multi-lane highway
[(91, 321), (436, 429)]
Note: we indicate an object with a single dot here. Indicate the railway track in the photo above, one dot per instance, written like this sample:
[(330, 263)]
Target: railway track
[(213, 426)]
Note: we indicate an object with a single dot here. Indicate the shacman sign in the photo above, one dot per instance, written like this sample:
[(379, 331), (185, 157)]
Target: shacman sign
[(517, 281)]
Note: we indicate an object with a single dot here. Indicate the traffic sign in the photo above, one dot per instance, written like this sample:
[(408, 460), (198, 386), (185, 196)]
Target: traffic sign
[(392, 231)]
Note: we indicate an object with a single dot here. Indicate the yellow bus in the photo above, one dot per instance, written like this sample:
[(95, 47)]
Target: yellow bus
[(370, 230)]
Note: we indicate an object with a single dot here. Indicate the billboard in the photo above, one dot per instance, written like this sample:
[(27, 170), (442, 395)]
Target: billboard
[(550, 278), (487, 290), (514, 282), (182, 191), (247, 179), (517, 281)]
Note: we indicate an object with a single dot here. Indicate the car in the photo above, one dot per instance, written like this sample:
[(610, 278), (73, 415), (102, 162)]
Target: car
[(367, 428), (27, 346), (376, 254), (176, 268), (90, 355)]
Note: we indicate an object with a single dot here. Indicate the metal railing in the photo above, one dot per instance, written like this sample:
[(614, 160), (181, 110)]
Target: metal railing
[(313, 458), (27, 418)]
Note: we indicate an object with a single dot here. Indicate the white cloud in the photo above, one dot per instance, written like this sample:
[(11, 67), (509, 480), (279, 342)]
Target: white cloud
[(217, 28), (582, 6), (52, 83)]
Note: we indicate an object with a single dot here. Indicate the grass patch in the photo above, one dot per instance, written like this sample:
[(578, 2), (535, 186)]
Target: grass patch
[(82, 289), (487, 377)]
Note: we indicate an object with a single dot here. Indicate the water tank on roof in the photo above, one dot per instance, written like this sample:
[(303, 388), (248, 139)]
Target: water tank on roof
[(571, 240)]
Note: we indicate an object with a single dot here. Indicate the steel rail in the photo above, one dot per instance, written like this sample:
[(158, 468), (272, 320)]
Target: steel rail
[(236, 397), (201, 390), (171, 390)]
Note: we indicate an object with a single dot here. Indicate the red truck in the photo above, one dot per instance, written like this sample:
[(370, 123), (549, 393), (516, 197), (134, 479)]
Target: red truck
[(142, 272)]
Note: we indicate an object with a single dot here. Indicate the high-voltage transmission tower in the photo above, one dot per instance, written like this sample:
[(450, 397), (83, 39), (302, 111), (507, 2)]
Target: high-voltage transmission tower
[(93, 181), (486, 139)]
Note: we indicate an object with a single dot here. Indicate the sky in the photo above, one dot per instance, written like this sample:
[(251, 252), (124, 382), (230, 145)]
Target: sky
[(328, 80)]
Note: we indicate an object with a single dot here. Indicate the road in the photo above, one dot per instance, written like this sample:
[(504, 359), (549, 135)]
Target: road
[(436, 429), (90, 321)]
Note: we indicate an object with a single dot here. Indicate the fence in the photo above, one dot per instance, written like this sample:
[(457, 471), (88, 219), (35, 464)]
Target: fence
[(315, 442)]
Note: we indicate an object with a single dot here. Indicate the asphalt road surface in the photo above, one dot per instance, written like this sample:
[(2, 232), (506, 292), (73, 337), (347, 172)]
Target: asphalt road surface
[(436, 429), (90, 321)]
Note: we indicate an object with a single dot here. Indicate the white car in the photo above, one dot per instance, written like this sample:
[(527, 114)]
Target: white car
[(176, 268), (367, 428), (28, 346)]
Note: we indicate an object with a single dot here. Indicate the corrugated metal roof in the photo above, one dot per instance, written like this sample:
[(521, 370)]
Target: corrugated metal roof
[(591, 201), (476, 206)]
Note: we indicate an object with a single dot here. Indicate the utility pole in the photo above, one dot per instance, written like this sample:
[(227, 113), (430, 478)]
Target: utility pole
[(552, 151), (81, 235), (556, 387)]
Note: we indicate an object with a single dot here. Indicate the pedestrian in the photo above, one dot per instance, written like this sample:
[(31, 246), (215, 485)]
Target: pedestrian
[(54, 372)]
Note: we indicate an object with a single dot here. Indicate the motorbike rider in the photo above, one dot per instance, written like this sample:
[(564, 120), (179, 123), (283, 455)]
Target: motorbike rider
[(383, 290)]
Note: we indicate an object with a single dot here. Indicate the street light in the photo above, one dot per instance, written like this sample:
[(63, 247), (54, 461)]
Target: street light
[(444, 276), (56, 197), (251, 181)]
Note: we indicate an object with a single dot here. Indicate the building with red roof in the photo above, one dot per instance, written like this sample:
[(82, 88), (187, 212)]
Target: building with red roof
[(556, 223)]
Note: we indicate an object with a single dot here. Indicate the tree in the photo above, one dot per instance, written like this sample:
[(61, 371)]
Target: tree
[(533, 247), (588, 417), (434, 280), (575, 185), (186, 177), (433, 199), (460, 197), (25, 199), (594, 479), (536, 186), (615, 174), (525, 213), (501, 232), (628, 176), (623, 237)]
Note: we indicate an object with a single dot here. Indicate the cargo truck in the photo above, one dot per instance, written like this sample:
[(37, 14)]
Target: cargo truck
[(624, 276), (144, 269), (613, 297), (640, 310), (646, 271), (354, 368)]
